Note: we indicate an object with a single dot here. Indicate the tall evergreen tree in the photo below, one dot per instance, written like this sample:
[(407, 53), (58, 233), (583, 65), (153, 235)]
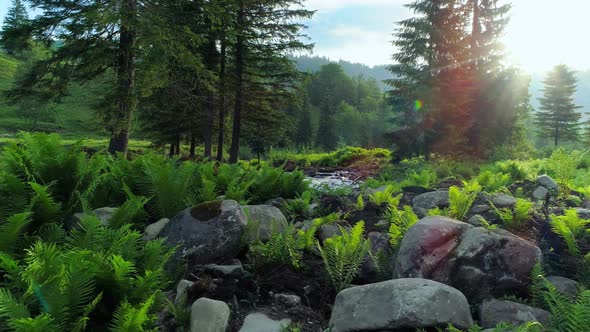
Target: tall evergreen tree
[(558, 117), (97, 39), (431, 84), (15, 37), (266, 32)]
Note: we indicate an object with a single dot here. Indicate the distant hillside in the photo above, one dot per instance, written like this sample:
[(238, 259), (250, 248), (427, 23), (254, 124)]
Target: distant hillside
[(380, 73), (313, 64)]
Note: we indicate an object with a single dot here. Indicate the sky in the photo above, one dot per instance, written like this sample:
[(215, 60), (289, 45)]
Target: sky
[(541, 34)]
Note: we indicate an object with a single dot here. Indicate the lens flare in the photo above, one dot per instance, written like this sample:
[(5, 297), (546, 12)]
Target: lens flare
[(418, 104)]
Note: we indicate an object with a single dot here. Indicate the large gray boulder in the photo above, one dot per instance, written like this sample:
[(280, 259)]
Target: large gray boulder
[(493, 312), (206, 233), (209, 316), (431, 200), (480, 263), (398, 304), (263, 221), (259, 322)]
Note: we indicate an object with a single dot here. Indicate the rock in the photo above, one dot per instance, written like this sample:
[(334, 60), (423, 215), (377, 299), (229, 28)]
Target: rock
[(383, 224), (501, 200), (209, 316), (234, 269), (398, 304), (481, 208), (567, 286), (480, 263), (259, 322), (206, 233), (182, 291), (332, 203), (540, 193), (583, 213), (330, 230), (431, 200), (152, 231), (547, 182), (426, 248), (287, 300), (104, 214), (476, 220), (266, 219), (278, 202), (493, 312), (493, 264), (381, 254)]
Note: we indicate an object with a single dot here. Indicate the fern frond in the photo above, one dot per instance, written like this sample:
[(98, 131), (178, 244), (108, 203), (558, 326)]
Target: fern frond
[(12, 230), (41, 323), (343, 255), (10, 307), (128, 318)]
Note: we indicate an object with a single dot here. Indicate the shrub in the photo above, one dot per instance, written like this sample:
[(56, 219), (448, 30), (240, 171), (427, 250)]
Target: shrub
[(343, 255)]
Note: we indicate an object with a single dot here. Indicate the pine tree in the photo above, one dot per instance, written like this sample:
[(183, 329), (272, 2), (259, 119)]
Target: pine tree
[(15, 37), (558, 117), (97, 41), (266, 32), (432, 84)]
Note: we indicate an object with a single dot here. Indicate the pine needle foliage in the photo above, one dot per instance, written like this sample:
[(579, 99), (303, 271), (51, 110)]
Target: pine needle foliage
[(343, 255)]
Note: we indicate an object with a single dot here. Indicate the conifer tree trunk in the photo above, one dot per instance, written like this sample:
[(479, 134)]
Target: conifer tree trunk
[(239, 65), (193, 145), (126, 103), (211, 50), (222, 101)]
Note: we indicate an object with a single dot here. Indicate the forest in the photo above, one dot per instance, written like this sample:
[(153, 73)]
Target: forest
[(191, 165)]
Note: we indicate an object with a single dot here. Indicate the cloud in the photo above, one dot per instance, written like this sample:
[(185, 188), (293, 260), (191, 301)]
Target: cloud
[(357, 44)]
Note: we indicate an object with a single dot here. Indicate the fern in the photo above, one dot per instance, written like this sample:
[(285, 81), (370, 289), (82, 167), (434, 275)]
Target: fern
[(131, 212), (282, 248), (12, 230), (343, 255), (461, 200), (517, 218), (401, 221), (383, 197), (130, 318), (571, 228)]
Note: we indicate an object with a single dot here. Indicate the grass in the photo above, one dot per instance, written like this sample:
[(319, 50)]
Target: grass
[(92, 143), (343, 157)]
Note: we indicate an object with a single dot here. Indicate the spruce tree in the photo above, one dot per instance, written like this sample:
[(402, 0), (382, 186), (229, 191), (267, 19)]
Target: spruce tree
[(558, 117), (267, 31), (431, 85), (95, 40), (15, 37)]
